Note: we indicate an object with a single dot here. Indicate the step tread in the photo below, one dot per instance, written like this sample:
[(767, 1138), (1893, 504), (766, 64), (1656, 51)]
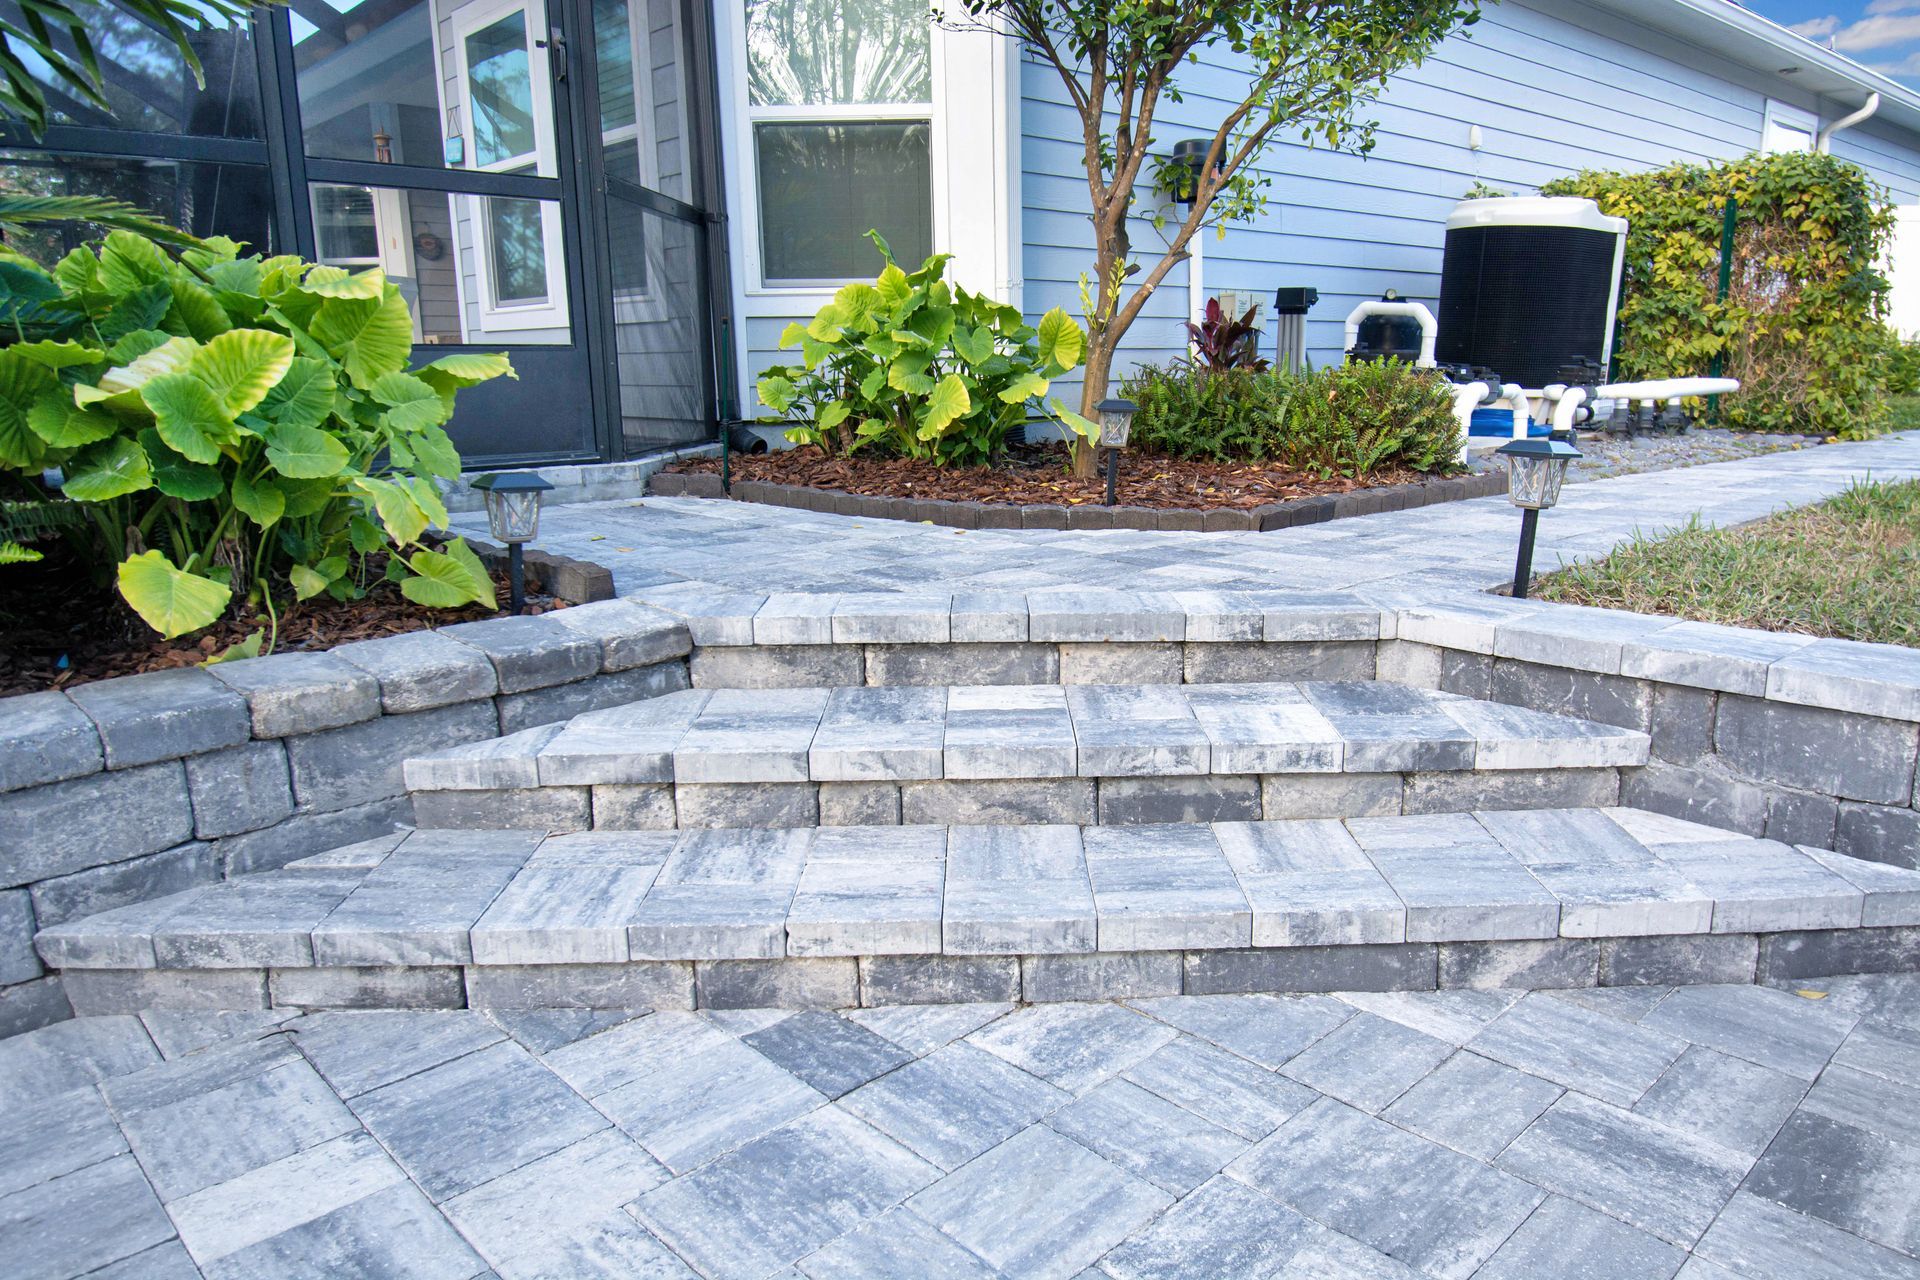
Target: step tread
[(897, 734), (521, 898)]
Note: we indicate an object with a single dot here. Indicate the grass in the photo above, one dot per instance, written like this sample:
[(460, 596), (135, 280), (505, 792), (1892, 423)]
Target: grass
[(1903, 413), (1848, 567)]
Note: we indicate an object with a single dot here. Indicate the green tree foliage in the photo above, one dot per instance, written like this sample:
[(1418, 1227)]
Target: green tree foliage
[(919, 367), (228, 425), (54, 35), (1802, 323), (1310, 66)]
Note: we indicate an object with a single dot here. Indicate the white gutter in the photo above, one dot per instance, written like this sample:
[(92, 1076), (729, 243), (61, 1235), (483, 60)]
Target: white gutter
[(1824, 143)]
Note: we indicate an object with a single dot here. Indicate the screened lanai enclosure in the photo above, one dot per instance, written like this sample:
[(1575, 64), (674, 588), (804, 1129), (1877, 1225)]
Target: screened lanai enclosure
[(533, 174)]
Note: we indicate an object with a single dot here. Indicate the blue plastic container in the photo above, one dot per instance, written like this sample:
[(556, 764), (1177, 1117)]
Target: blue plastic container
[(1499, 422)]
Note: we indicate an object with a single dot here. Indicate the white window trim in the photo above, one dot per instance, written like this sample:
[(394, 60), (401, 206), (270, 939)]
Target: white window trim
[(1787, 117), (974, 158), (513, 317)]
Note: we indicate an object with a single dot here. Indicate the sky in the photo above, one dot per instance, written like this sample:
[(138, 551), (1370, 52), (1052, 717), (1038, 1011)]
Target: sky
[(1881, 34)]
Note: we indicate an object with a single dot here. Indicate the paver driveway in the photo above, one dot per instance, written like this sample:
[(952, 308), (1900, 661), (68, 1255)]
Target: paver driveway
[(1707, 1132)]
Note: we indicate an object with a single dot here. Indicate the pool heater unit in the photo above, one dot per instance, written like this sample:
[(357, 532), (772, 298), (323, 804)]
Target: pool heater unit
[(1528, 290), (1529, 285)]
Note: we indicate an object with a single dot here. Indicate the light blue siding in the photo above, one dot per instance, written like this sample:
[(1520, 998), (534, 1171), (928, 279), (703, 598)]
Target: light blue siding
[(1555, 86)]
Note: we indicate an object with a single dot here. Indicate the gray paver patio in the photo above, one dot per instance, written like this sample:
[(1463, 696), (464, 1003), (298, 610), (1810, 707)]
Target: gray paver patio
[(1705, 1132)]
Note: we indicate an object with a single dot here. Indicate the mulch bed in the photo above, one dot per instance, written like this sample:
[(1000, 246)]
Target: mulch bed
[(1031, 474), (58, 630)]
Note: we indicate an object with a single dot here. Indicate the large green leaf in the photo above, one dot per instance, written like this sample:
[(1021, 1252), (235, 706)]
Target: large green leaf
[(168, 357), (242, 365), (63, 424), (435, 454), (1061, 342), (307, 583), (174, 476), (110, 469), (412, 405), (144, 308), (974, 345), (304, 397), (371, 337), (22, 383), (258, 500), (338, 282), (129, 262), (776, 392), (1025, 387), (948, 401), (402, 516), (188, 415), (305, 453), (892, 286), (169, 599), (196, 310), (792, 335), (449, 579), (58, 355)]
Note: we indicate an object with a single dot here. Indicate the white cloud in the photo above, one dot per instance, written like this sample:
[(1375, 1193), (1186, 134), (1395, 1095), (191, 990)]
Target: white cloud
[(1879, 7), (1816, 28), (1881, 31)]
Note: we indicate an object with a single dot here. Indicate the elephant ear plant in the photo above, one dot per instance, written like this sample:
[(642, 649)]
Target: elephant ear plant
[(222, 427), (919, 367)]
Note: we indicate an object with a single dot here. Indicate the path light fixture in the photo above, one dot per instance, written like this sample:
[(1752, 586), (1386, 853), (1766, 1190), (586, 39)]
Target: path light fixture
[(513, 517), (1536, 468), (1116, 424)]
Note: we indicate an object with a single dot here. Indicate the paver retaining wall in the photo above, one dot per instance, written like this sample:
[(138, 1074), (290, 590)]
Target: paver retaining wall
[(137, 787)]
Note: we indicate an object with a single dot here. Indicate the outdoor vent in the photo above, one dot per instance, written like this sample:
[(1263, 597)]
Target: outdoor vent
[(1529, 286)]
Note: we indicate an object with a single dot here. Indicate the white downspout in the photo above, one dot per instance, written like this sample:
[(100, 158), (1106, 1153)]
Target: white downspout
[(1196, 279), (1824, 143)]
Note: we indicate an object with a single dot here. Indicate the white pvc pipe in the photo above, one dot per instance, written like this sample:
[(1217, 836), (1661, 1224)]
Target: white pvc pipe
[(1667, 389), (1824, 143), (1429, 327), (1467, 398), (1566, 406)]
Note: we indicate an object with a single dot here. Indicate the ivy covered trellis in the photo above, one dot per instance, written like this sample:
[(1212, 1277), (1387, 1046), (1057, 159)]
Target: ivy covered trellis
[(1802, 320)]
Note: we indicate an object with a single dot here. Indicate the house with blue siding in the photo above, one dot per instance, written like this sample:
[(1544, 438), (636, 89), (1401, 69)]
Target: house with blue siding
[(635, 197)]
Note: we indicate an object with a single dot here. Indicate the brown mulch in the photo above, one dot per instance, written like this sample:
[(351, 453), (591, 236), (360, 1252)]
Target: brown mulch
[(1038, 474), (58, 630)]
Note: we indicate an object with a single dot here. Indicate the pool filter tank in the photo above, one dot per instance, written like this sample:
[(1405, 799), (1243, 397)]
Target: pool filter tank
[(1529, 285)]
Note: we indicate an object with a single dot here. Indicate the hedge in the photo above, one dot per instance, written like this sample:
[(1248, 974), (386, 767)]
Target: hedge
[(1802, 325)]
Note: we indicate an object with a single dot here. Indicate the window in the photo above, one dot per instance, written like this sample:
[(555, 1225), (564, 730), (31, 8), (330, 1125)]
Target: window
[(840, 103), (1787, 129), (207, 199)]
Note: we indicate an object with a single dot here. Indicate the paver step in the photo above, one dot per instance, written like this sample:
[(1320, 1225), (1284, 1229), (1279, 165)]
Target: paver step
[(1158, 753), (1564, 897)]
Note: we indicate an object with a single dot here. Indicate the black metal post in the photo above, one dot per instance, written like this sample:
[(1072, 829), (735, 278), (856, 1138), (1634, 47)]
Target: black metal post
[(1523, 566), (516, 580), (1113, 473)]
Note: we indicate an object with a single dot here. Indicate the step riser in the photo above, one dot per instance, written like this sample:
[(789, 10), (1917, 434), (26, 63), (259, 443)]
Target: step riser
[(870, 981), (1022, 662), (1112, 801)]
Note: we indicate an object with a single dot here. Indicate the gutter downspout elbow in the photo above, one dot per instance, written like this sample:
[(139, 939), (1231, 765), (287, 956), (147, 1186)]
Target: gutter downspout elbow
[(1824, 143)]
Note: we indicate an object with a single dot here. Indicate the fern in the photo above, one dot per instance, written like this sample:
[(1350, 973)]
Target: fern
[(14, 553)]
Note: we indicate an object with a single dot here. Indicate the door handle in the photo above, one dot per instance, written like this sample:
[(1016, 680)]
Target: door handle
[(556, 43)]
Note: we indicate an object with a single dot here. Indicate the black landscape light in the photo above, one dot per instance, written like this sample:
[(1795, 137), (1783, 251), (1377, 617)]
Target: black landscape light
[(1535, 471), (513, 517), (1116, 424)]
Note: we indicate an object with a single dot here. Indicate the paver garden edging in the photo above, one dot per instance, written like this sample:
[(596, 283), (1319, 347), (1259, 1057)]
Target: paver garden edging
[(129, 789), (992, 515)]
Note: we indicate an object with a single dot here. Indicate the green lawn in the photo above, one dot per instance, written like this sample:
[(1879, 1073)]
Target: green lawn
[(1847, 567)]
